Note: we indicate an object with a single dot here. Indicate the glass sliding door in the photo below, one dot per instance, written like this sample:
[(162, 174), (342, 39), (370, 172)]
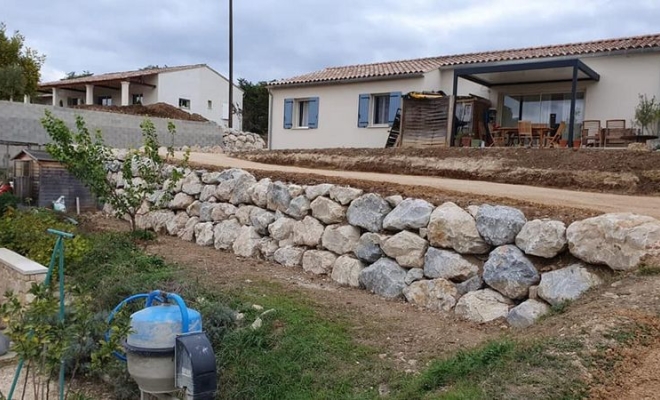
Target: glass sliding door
[(548, 108)]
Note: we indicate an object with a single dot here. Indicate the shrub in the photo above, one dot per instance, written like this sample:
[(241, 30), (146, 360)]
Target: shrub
[(7, 200)]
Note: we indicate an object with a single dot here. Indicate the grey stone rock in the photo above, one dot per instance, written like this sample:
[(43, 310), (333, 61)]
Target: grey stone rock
[(327, 211), (308, 232), (243, 214), (451, 227), (228, 180), (192, 185), (318, 262), (159, 220), (188, 231), (169, 184), (176, 224), (267, 248), (225, 234), (260, 219), (368, 212), (409, 214), (527, 313), (206, 211), (448, 265), (157, 197), (312, 192), (259, 192), (4, 344), (345, 194), (499, 225), (278, 197), (241, 192), (346, 271), (619, 241), (204, 234), (223, 211), (414, 275), (207, 192), (368, 248), (299, 207), (542, 238), (509, 272), (385, 278), (296, 190), (211, 178), (566, 284), (194, 208), (281, 229), (471, 285), (436, 295), (181, 201), (247, 243), (394, 200), (483, 306), (406, 248), (340, 239), (289, 256)]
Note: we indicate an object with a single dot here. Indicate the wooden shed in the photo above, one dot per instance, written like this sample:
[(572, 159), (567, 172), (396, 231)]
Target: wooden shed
[(42, 179)]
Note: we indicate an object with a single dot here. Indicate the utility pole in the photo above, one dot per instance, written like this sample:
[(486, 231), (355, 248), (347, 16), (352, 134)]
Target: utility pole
[(231, 63)]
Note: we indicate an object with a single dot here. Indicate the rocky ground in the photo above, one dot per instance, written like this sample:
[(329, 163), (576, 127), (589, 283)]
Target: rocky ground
[(611, 171), (159, 110)]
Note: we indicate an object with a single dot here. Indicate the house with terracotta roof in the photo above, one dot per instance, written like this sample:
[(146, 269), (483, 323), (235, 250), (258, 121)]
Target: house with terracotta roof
[(195, 88), (354, 106)]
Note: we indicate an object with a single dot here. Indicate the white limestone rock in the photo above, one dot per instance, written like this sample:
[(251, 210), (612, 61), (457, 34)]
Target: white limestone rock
[(542, 238), (436, 295), (318, 262), (483, 306), (409, 214), (448, 265), (308, 232), (346, 271), (451, 227), (340, 239), (327, 211), (567, 284), (225, 234), (406, 248)]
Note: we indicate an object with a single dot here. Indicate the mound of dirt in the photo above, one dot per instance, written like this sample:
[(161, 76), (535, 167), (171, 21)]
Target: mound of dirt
[(158, 110)]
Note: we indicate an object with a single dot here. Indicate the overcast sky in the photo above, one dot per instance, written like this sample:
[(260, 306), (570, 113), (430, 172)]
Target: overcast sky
[(276, 39)]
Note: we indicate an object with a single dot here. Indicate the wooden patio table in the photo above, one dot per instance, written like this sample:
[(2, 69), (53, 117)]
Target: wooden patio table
[(511, 132)]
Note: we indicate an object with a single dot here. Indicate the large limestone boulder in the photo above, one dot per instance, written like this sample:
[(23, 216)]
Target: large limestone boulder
[(385, 278), (225, 234), (566, 284), (176, 224), (499, 225), (181, 201), (299, 207), (312, 192), (188, 231), (509, 272), (259, 192), (340, 239), (192, 184), (406, 248), (527, 313), (268, 248), (446, 264), (327, 211), (194, 209), (368, 212), (223, 211), (346, 271), (204, 234), (159, 220), (345, 194), (451, 227), (483, 306), (619, 241), (308, 232), (243, 214), (241, 191), (247, 243), (278, 197), (289, 256), (281, 229), (260, 219), (296, 190), (409, 214), (542, 238), (206, 211), (228, 180), (208, 193), (368, 248), (437, 295), (318, 262)]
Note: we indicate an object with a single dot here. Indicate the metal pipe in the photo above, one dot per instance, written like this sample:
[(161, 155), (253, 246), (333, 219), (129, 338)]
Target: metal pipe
[(230, 123), (78, 205)]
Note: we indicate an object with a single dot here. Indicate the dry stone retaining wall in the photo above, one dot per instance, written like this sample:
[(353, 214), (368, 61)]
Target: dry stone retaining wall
[(481, 263)]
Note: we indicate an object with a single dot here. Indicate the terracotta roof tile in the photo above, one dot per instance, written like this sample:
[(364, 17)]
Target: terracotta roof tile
[(422, 65)]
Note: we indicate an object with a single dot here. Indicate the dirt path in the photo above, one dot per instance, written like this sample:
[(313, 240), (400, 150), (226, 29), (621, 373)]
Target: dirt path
[(600, 202)]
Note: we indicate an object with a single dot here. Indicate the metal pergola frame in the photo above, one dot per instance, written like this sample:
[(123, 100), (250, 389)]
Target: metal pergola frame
[(468, 73)]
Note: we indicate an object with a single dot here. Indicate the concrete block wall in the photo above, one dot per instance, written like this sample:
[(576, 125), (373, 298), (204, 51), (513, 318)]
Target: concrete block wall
[(21, 122)]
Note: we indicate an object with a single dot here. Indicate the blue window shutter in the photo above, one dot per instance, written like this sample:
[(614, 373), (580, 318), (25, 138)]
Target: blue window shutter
[(395, 104), (288, 113), (313, 110), (363, 111)]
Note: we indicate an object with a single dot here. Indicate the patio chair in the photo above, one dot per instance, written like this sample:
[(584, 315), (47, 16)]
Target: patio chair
[(553, 141), (525, 132), (614, 130), (592, 129)]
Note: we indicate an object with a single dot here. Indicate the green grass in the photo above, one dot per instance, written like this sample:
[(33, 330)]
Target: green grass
[(648, 270)]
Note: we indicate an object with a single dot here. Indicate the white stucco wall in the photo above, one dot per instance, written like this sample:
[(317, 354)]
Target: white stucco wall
[(199, 85)]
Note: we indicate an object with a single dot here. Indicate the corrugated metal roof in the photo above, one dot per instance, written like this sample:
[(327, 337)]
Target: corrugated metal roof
[(418, 66)]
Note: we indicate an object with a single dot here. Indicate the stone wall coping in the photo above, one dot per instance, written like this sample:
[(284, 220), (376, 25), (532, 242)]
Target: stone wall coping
[(21, 264)]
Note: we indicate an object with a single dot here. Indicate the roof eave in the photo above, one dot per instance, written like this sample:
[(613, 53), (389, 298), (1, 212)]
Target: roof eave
[(348, 80)]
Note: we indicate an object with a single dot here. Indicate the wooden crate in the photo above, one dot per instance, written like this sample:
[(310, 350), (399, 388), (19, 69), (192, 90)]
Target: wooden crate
[(424, 122)]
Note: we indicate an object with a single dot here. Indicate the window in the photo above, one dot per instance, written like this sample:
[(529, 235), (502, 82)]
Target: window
[(378, 109), (184, 103), (104, 100), (72, 101), (137, 99), (209, 104), (301, 113), (541, 108)]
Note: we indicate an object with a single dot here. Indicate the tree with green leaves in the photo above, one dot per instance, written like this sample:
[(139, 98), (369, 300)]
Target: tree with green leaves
[(20, 66), (88, 158), (255, 106), (647, 115)]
